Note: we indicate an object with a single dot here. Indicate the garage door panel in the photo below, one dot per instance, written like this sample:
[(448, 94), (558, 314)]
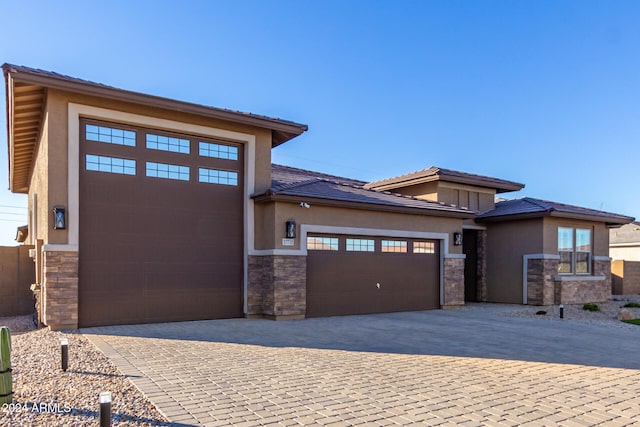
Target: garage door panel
[(343, 282), (157, 249)]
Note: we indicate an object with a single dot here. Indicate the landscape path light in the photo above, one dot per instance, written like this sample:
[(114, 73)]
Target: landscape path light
[(64, 350), (105, 409), (562, 311)]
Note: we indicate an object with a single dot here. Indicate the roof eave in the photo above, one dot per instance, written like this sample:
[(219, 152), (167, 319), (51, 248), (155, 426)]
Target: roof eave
[(609, 221), (282, 131), (270, 196), (501, 187)]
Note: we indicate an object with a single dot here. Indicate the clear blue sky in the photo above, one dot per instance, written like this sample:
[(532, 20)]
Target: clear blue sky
[(546, 93)]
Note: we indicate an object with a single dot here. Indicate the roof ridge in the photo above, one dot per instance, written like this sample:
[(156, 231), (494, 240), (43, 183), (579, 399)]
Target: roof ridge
[(540, 203)]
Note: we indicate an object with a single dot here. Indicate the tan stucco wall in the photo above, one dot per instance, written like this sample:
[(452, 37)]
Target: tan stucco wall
[(600, 234), (267, 234), (630, 253), (39, 187), (466, 196), (507, 242)]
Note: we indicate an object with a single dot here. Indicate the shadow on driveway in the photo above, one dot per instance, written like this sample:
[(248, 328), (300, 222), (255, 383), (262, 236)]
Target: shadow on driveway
[(479, 332)]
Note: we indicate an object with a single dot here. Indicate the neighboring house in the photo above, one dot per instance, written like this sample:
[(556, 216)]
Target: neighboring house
[(624, 242), (145, 209), (624, 249)]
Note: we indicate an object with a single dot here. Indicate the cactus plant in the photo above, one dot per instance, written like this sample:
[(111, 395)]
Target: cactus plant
[(6, 382)]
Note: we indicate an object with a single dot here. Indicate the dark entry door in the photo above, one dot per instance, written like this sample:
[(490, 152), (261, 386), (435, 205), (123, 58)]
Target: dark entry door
[(470, 249), (382, 275)]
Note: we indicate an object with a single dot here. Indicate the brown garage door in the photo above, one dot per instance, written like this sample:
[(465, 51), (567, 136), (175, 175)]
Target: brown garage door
[(161, 226), (358, 275)]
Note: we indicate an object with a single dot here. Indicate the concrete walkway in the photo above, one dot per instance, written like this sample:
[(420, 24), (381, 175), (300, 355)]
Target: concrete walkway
[(442, 367)]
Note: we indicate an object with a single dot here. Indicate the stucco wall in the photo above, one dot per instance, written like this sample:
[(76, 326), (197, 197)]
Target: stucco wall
[(600, 234), (629, 253), (38, 190), (344, 217), (17, 273), (507, 242), (626, 277)]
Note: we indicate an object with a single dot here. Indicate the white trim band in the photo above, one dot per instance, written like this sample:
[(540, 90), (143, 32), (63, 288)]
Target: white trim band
[(578, 278)]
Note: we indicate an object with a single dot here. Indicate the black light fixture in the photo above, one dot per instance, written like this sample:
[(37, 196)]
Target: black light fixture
[(59, 219), (457, 239), (291, 229)]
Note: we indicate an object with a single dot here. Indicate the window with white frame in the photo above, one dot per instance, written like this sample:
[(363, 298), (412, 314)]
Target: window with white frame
[(574, 248)]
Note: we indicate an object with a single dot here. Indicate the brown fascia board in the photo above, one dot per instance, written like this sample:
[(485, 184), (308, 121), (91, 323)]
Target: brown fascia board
[(282, 130), (270, 197), (502, 187), (609, 221), (9, 137)]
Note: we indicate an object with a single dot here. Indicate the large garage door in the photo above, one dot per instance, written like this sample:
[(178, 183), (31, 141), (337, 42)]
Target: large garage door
[(161, 226), (358, 275)]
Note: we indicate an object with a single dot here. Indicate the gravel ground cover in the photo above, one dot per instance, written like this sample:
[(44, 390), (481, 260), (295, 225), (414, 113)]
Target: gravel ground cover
[(607, 316), (44, 395)]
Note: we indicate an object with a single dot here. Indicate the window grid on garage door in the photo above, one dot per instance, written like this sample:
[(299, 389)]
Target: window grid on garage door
[(110, 165), (424, 247), (393, 246), (360, 245), (317, 243), (110, 135)]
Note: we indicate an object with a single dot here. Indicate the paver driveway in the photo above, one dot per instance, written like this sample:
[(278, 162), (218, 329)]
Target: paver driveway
[(442, 367)]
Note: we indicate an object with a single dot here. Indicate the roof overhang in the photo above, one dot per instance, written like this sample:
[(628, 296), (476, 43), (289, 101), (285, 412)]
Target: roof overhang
[(500, 186), (609, 221), (273, 197), (26, 91)]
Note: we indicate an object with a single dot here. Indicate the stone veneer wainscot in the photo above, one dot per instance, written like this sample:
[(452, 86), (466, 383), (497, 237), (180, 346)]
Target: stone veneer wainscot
[(60, 289)]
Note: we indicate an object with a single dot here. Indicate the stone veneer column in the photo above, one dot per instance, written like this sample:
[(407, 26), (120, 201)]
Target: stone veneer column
[(540, 281), (453, 282), (277, 286), (602, 267), (482, 292), (60, 289)]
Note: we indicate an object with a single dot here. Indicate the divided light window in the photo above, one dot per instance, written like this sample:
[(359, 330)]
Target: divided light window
[(574, 248), (219, 151), (163, 170), (424, 248), (322, 243), (110, 135), (215, 176), (360, 245), (110, 165), (168, 143), (397, 246)]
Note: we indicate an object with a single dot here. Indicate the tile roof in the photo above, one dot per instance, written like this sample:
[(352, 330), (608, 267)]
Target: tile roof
[(282, 175), (435, 173), (301, 183), (528, 207), (39, 75)]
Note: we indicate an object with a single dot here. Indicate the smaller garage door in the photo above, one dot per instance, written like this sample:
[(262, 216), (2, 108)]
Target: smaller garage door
[(363, 274)]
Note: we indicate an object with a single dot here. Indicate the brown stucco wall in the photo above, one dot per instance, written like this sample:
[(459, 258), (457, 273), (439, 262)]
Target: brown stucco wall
[(507, 242), (17, 273), (39, 187), (345, 217)]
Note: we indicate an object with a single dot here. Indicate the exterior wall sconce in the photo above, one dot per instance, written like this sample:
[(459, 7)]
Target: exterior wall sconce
[(457, 239), (59, 218), (291, 229)]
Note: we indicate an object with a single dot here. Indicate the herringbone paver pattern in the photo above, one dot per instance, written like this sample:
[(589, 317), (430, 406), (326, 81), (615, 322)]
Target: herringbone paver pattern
[(213, 383)]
